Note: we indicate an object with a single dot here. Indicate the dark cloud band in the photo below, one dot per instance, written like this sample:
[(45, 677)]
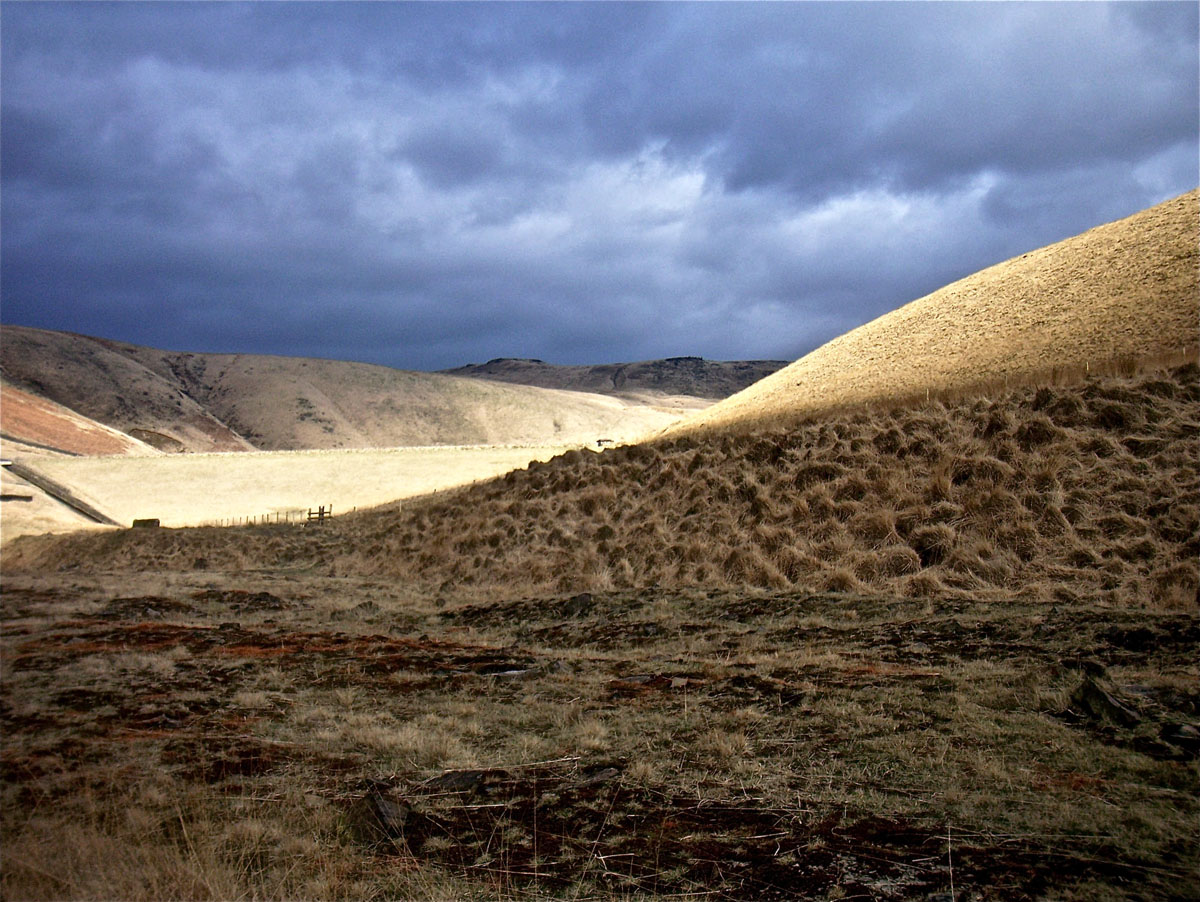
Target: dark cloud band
[(425, 184)]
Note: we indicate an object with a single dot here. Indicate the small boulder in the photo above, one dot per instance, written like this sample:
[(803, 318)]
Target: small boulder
[(578, 605), (1098, 703), (378, 816), (1183, 736), (597, 777)]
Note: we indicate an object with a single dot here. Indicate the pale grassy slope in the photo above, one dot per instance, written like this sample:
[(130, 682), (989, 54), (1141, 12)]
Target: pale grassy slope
[(41, 422), (96, 379), (29, 427), (26, 510), (287, 403), (1125, 290), (194, 489)]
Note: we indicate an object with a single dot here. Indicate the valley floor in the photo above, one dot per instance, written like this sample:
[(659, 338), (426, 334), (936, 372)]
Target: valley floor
[(260, 486), (246, 735)]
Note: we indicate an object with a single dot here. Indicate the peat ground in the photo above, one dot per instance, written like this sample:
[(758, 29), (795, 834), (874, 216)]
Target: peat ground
[(275, 735)]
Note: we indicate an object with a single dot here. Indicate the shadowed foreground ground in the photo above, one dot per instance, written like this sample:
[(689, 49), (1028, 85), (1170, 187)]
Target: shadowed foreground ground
[(226, 735)]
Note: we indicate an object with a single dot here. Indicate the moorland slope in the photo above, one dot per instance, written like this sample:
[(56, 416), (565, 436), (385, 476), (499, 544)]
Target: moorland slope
[(179, 401), (44, 425), (1091, 485), (1042, 492), (99, 381), (1128, 290)]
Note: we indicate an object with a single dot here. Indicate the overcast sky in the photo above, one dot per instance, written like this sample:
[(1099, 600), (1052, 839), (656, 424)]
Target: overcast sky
[(426, 185)]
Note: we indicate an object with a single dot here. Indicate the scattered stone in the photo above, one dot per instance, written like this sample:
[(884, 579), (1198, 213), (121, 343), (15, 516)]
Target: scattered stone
[(1183, 736), (578, 605), (604, 775), (509, 674), (378, 816), (362, 611), (502, 668), (1098, 703)]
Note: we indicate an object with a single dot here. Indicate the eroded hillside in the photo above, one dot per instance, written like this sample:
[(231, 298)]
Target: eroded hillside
[(179, 401), (692, 377)]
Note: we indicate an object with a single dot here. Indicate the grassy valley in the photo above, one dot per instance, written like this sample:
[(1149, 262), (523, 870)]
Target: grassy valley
[(1043, 492), (194, 489)]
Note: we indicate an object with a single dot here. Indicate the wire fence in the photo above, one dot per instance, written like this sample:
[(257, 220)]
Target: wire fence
[(296, 516)]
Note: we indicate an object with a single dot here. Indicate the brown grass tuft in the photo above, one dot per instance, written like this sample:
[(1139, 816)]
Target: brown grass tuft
[(932, 543)]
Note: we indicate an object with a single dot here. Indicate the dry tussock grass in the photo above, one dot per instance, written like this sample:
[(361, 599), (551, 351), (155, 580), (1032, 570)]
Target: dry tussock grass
[(1093, 485)]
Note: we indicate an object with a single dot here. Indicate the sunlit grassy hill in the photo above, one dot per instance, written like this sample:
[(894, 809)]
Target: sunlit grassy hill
[(1091, 485), (1128, 290)]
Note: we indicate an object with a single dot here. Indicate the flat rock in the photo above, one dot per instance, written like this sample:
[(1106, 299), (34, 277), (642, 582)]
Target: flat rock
[(1098, 703), (379, 816)]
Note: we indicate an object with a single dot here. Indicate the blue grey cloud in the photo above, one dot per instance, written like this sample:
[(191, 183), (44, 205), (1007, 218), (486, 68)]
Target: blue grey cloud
[(428, 184)]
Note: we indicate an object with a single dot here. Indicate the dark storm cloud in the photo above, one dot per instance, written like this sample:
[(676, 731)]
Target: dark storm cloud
[(426, 184)]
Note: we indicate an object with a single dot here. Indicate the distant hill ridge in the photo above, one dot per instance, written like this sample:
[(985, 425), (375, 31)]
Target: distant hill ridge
[(692, 377), (1121, 292), (181, 401)]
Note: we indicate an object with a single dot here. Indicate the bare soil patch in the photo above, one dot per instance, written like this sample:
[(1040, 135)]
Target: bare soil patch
[(32, 419)]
